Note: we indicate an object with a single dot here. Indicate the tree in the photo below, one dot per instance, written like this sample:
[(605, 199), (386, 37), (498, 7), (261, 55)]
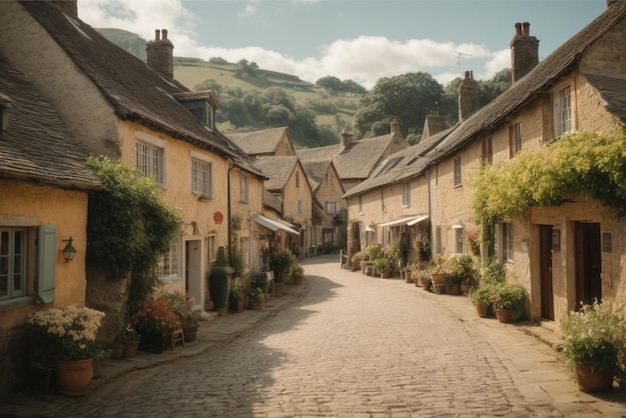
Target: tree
[(409, 98)]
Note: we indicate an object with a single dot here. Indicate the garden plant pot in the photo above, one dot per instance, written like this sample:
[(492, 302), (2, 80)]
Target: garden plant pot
[(439, 288), (504, 315), (218, 286), (154, 343), (190, 333), (74, 376), (256, 306), (482, 310), (592, 382), (437, 278), (298, 279), (129, 348), (279, 289), (454, 289)]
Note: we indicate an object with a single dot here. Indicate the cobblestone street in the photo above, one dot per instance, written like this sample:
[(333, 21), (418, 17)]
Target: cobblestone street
[(358, 346)]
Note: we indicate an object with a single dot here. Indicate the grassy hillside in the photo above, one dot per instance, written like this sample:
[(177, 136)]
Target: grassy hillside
[(192, 71), (330, 109)]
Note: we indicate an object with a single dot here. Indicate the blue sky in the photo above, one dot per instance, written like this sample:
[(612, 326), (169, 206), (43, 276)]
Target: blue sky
[(361, 40)]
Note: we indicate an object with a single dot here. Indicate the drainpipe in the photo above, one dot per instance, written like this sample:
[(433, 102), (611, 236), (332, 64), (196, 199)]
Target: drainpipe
[(228, 218)]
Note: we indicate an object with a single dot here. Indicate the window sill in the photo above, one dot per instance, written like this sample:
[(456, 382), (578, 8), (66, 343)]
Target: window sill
[(171, 279), (15, 303)]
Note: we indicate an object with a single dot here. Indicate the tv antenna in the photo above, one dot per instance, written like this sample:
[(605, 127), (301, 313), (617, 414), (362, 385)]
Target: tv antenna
[(459, 56)]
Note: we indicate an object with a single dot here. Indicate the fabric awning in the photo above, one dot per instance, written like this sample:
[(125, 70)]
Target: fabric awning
[(369, 229), (272, 224), (411, 220)]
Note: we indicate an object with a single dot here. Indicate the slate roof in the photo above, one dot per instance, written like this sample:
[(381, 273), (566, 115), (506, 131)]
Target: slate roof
[(135, 91), (36, 146), (315, 171), (610, 86), (277, 170), (272, 202), (354, 161), (538, 81), (259, 142), (403, 164)]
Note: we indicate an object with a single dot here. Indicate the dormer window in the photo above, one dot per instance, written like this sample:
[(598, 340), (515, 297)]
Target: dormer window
[(202, 104)]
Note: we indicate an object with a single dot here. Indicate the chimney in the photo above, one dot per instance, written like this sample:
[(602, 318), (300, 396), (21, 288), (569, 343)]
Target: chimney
[(346, 138), (159, 54), (524, 51), (69, 6), (468, 93), (395, 126)]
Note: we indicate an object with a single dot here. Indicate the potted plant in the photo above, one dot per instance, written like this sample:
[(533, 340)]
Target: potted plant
[(281, 263), (130, 341), (189, 316), (481, 297), (237, 298), (508, 301), (423, 248), (356, 260), (382, 266), (593, 343), (298, 274), (461, 273), (438, 269), (64, 338), (218, 279), (423, 277), (155, 321), (256, 297)]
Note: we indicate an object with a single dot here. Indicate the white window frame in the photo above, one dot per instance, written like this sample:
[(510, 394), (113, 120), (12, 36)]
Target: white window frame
[(487, 150), (244, 195), (150, 161), (516, 145), (13, 262), (300, 206), (211, 247), (563, 111), (168, 268), (406, 194), (201, 175), (331, 207)]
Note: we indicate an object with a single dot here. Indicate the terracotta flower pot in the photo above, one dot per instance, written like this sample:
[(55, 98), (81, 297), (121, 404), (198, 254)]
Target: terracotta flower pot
[(129, 348), (504, 315), (591, 382), (482, 310), (278, 289), (74, 376)]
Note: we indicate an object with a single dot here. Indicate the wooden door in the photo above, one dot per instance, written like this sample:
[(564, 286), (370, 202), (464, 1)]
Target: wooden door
[(588, 267), (545, 266)]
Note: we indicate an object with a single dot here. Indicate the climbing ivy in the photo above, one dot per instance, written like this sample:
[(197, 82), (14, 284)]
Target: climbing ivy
[(129, 227), (583, 164)]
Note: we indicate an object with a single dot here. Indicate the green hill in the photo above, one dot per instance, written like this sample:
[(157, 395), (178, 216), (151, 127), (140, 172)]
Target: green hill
[(332, 110)]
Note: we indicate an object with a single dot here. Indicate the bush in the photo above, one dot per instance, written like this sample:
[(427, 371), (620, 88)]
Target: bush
[(482, 294), (594, 335)]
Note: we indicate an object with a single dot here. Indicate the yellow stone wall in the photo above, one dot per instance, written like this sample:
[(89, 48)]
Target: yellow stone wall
[(27, 205)]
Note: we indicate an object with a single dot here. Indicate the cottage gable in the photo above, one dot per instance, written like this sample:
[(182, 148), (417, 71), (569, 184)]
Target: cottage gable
[(269, 142)]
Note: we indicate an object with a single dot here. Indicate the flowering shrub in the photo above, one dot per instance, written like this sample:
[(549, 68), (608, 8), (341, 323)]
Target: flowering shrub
[(594, 335), (65, 333), (156, 317), (182, 307), (509, 296)]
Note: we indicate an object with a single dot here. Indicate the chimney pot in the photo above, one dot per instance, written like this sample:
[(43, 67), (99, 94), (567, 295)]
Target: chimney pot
[(467, 75), (518, 29), (526, 29), (159, 54)]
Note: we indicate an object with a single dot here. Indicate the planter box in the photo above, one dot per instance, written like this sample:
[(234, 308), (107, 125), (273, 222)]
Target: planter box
[(154, 343)]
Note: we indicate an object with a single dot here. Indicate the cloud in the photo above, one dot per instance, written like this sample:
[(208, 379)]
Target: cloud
[(364, 59), (249, 10)]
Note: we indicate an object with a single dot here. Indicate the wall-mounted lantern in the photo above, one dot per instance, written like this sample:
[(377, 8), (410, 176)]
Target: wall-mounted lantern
[(69, 251)]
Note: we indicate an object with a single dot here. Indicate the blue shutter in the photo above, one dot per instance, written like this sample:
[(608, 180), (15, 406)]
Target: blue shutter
[(46, 260)]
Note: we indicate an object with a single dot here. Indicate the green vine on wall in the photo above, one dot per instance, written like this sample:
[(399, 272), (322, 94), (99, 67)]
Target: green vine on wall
[(129, 226), (584, 164)]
